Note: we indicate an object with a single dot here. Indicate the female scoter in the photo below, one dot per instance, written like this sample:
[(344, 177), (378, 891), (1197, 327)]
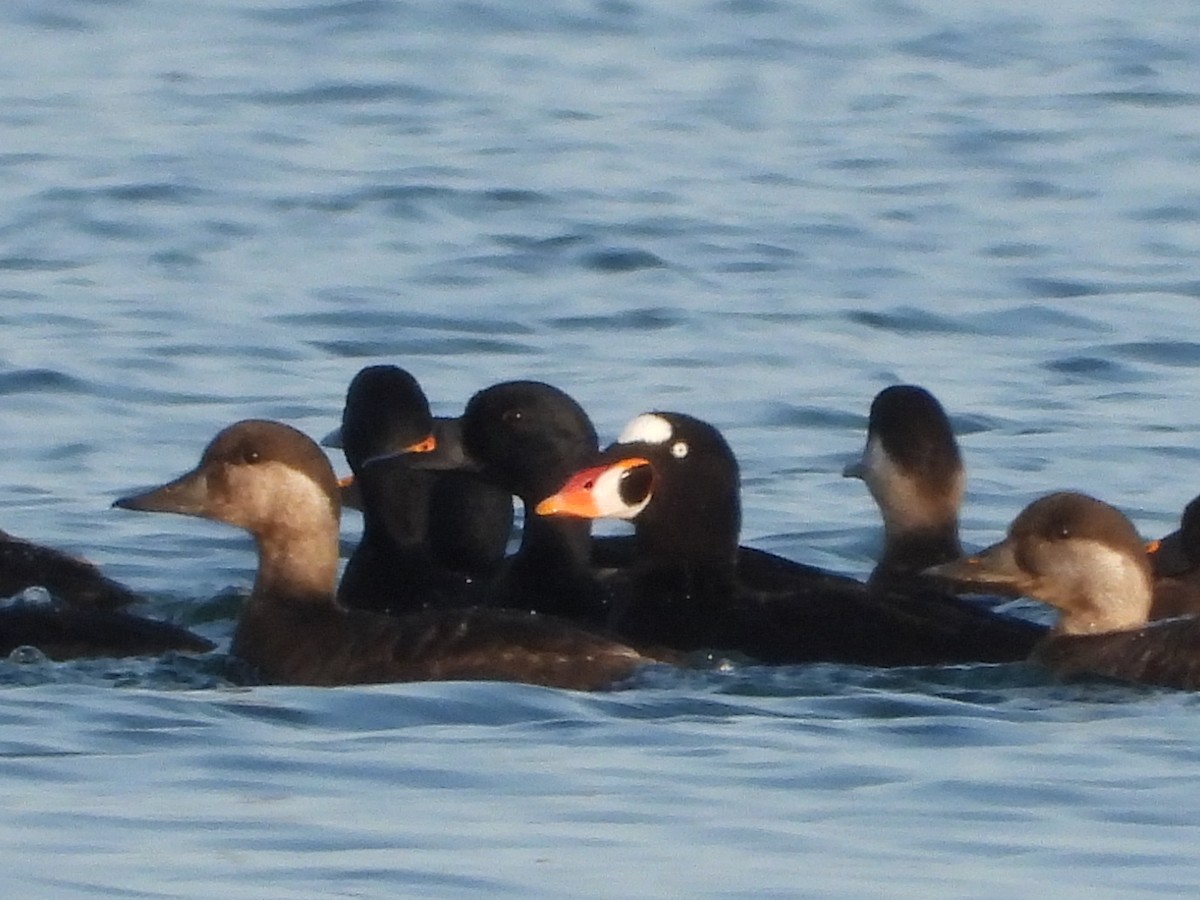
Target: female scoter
[(427, 536), (1084, 558), (912, 467), (677, 480), (273, 481)]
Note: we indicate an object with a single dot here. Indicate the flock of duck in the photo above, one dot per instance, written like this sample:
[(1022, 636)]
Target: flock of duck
[(431, 593)]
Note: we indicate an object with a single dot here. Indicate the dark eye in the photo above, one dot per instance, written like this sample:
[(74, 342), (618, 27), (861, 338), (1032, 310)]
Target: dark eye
[(635, 485), (250, 456), (512, 416)]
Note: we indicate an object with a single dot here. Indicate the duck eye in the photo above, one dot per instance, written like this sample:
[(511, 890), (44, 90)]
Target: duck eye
[(511, 416), (251, 456), (635, 485), (679, 449)]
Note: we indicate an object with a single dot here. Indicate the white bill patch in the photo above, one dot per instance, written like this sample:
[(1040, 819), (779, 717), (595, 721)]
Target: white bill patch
[(646, 429), (606, 494)]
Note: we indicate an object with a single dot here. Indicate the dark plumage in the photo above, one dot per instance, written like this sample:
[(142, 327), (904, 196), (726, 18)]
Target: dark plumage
[(526, 437), (73, 581), (693, 587), (69, 632), (83, 617), (1175, 560), (427, 536)]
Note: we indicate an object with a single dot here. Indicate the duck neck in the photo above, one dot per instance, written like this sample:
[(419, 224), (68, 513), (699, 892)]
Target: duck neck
[(1119, 599), (298, 564), (556, 543), (694, 564), (396, 508), (908, 550)]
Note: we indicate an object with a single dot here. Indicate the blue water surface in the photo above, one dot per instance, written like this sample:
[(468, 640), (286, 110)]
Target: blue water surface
[(755, 211)]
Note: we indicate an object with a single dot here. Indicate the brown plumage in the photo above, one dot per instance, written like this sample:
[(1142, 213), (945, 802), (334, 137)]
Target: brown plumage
[(1084, 558)]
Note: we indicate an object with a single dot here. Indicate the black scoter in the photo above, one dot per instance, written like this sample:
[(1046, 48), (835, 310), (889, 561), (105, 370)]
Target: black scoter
[(1175, 560), (427, 536), (526, 437)]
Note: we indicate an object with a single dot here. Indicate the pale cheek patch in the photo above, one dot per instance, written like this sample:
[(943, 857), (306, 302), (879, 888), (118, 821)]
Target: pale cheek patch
[(874, 461), (904, 501), (275, 493), (646, 429), (1098, 587), (607, 496)]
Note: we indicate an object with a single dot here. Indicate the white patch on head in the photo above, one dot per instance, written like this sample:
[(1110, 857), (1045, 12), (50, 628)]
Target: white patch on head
[(606, 493), (647, 429)]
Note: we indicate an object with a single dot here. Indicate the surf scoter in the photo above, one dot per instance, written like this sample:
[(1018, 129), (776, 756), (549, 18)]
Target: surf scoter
[(912, 466), (1085, 558), (692, 587), (275, 482), (427, 536)]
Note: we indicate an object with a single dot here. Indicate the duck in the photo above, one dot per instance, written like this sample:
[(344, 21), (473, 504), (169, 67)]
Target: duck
[(1085, 559), (912, 466), (692, 586), (62, 632), (427, 537), (273, 481), (526, 437), (1176, 566), (68, 579), (84, 613)]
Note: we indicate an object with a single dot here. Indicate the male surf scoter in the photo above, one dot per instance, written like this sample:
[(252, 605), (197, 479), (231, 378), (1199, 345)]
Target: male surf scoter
[(427, 536), (1085, 558), (692, 587), (912, 467), (273, 481)]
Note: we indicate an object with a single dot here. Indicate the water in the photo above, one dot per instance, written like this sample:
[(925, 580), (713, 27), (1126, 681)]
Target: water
[(756, 212)]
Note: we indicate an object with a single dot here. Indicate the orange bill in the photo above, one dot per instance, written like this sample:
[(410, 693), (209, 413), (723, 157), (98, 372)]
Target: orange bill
[(575, 497), (590, 493), (425, 445)]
